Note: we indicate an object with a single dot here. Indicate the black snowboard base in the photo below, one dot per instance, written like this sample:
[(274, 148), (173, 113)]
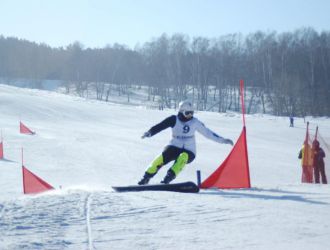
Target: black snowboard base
[(183, 187)]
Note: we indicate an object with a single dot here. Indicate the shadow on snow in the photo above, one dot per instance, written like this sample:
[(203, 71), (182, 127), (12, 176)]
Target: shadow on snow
[(242, 194)]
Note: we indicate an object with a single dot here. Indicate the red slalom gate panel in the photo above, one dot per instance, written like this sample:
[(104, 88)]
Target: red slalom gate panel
[(1, 150), (306, 156), (24, 129), (33, 184), (234, 171)]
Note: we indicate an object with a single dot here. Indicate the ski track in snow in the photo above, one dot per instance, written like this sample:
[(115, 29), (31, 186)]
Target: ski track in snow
[(149, 220), (89, 228)]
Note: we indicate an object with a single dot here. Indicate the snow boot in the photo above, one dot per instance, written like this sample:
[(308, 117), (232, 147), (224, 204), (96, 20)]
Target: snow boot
[(145, 179), (170, 176)]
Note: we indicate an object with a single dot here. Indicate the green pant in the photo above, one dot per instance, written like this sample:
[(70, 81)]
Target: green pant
[(177, 167)]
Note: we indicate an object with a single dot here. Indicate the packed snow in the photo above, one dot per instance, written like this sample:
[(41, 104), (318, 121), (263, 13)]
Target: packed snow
[(83, 147)]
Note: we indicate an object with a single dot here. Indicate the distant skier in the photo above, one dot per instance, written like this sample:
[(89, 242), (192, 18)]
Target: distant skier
[(291, 121), (182, 147), (318, 163)]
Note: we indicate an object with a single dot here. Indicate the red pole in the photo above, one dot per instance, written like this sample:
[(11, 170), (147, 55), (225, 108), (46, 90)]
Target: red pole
[(244, 129), (23, 179), (242, 99), (23, 173), (307, 134), (22, 157), (1, 147), (247, 157), (316, 132)]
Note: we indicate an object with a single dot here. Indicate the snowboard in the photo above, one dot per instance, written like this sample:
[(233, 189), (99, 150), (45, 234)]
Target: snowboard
[(183, 187)]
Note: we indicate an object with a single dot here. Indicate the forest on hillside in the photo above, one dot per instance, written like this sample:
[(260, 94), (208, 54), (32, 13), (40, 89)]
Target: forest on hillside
[(285, 73)]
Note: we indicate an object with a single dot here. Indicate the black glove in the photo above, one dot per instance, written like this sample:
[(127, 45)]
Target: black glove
[(228, 141), (146, 134)]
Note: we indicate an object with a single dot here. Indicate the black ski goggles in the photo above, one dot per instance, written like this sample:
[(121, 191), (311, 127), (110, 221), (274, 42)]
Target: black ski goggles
[(188, 113)]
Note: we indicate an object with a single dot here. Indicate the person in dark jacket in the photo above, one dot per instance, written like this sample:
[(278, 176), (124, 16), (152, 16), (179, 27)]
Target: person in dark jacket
[(291, 121), (318, 163), (182, 147)]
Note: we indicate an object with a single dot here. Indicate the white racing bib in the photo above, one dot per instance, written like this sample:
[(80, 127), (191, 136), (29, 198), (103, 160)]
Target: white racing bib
[(183, 134)]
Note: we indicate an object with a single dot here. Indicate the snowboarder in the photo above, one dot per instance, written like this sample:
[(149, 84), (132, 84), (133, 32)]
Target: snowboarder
[(182, 147), (318, 163)]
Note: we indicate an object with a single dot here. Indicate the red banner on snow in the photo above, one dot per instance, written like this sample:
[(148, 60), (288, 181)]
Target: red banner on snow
[(32, 184), (234, 171), (24, 129)]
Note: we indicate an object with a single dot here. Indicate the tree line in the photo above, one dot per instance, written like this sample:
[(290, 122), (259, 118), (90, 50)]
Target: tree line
[(285, 73)]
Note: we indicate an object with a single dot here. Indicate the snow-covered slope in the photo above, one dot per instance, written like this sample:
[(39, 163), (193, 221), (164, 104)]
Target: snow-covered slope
[(87, 146)]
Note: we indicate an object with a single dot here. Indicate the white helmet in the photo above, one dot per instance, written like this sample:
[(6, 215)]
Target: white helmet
[(186, 108)]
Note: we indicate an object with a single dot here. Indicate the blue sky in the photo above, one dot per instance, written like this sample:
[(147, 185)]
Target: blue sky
[(101, 22)]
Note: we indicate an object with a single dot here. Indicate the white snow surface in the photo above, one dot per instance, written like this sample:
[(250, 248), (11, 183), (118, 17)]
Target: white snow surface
[(85, 147)]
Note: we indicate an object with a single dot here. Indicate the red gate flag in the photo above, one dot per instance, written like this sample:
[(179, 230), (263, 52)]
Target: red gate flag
[(306, 155), (33, 184), (1, 150), (234, 171), (24, 129)]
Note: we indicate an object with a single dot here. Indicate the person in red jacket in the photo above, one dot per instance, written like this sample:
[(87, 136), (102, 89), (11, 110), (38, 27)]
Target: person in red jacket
[(318, 163)]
